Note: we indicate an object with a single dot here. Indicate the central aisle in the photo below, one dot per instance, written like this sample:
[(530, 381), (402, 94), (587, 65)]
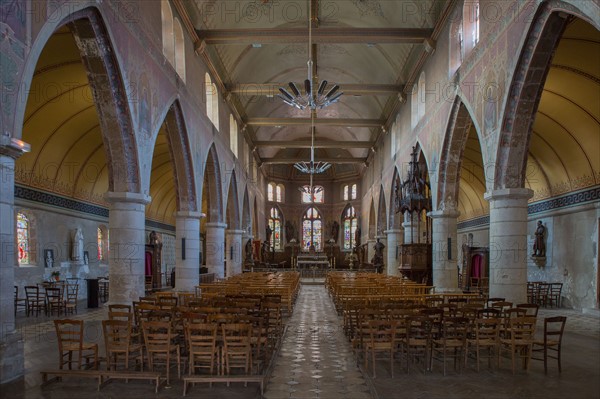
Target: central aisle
[(316, 360)]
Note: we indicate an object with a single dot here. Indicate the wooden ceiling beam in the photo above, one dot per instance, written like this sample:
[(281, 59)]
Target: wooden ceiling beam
[(320, 35), (318, 122), (318, 144)]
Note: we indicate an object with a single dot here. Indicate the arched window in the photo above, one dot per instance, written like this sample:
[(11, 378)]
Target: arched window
[(317, 197), (312, 227), (270, 191), (353, 193), (470, 26), (346, 192), (275, 225), (393, 141), (212, 101), (279, 193), (233, 135), (179, 49), (417, 106), (350, 225), (168, 40), (23, 235), (102, 243), (422, 93)]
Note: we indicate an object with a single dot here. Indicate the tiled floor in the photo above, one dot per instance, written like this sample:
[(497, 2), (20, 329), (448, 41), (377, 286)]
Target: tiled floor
[(316, 361)]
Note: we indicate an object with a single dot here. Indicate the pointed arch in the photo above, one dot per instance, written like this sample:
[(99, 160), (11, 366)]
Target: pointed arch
[(168, 32), (233, 210), (179, 40), (395, 218), (246, 214), (349, 222), (381, 213), (312, 228), (524, 94), (212, 190), (372, 220), (181, 155)]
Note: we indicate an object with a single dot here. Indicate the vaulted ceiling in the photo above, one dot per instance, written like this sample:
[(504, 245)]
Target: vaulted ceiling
[(372, 49)]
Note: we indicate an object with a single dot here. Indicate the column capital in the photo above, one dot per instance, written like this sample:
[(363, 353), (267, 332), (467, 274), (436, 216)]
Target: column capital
[(444, 213), (394, 231), (235, 231), (190, 214), (218, 225), (135, 198), (12, 147), (508, 193)]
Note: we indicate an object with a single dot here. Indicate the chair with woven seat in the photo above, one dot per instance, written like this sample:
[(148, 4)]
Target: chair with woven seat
[(202, 346), (36, 301), (19, 302), (531, 309), (417, 343), (71, 300), (54, 300), (382, 339), (237, 347), (551, 341), (452, 343), (71, 348), (554, 294), (487, 337), (118, 342), (519, 340), (159, 345)]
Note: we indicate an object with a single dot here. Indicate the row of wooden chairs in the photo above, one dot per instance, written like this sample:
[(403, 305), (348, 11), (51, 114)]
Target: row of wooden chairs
[(59, 298), (544, 294)]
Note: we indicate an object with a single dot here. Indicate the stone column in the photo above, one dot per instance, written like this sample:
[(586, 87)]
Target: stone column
[(187, 271), (126, 224), (215, 248), (11, 345), (394, 238), (445, 273), (235, 255), (508, 243)]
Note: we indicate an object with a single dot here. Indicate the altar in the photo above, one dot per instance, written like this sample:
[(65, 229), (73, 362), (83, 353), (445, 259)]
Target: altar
[(308, 261)]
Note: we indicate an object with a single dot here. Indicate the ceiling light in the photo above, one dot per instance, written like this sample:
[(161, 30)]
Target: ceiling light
[(256, 45)]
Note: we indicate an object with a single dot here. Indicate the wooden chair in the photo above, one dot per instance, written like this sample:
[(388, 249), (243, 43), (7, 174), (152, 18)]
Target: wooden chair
[(452, 343), (202, 346), (118, 342), (69, 334), (554, 296), (19, 302), (159, 345), (382, 340), (35, 300), (54, 301), (543, 293), (148, 284), (531, 309), (551, 341), (71, 301), (519, 341), (418, 340), (237, 348), (487, 337)]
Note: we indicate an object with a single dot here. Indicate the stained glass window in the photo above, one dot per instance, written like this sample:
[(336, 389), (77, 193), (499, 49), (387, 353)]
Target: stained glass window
[(346, 192), (100, 253), (23, 238), (354, 191), (306, 195), (318, 195), (278, 193), (312, 227), (350, 225), (275, 225), (270, 192)]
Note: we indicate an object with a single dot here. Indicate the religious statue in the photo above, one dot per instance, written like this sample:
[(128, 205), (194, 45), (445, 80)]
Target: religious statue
[(357, 237), (77, 245), (249, 250), (335, 229), (378, 257), (264, 251), (539, 246), (269, 233), (154, 238)]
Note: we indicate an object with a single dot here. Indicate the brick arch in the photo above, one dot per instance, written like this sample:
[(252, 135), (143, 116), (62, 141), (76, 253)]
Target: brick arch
[(455, 141), (183, 168), (526, 89), (212, 187), (110, 98)]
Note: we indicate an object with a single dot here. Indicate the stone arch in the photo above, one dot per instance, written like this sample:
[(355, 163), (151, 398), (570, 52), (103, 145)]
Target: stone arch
[(455, 140), (372, 232), (233, 209), (179, 147), (212, 190), (246, 214), (525, 91), (381, 213), (395, 219)]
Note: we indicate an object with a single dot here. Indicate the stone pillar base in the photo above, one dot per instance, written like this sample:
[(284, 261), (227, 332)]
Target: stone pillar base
[(12, 359)]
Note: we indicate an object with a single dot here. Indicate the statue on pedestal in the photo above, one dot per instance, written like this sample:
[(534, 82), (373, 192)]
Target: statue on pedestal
[(77, 245), (249, 251), (377, 259), (539, 246)]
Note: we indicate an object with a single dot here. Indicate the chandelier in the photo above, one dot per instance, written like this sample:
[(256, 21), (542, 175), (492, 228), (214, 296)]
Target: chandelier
[(311, 98)]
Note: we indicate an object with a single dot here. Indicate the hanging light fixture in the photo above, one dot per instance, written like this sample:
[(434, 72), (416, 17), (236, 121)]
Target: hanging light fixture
[(311, 98)]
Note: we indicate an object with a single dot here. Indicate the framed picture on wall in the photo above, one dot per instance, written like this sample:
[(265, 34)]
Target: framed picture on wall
[(49, 257)]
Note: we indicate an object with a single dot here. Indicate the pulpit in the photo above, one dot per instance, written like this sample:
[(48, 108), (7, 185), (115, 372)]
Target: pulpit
[(415, 262)]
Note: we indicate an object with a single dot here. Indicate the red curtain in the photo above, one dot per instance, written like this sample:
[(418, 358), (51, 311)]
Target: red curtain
[(148, 264), (477, 265)]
